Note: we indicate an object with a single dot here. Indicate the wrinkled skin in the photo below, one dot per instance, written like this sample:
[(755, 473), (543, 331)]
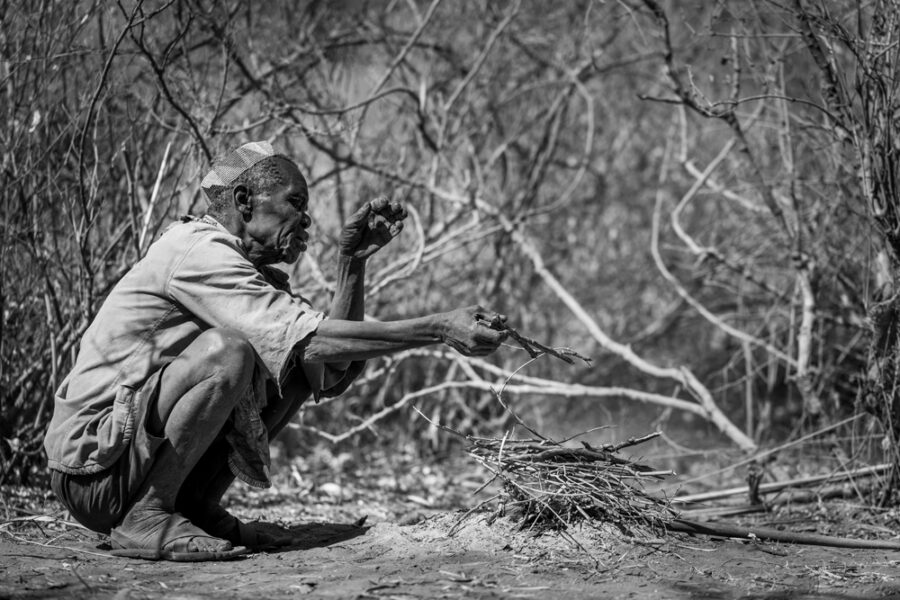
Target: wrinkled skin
[(273, 226)]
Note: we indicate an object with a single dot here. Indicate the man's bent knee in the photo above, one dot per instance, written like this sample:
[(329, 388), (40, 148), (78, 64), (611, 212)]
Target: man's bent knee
[(220, 361), (226, 352)]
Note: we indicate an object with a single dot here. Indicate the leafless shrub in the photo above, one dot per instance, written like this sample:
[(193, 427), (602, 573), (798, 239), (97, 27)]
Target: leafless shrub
[(712, 252)]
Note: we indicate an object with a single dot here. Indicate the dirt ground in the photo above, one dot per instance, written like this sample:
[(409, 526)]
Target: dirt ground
[(406, 552)]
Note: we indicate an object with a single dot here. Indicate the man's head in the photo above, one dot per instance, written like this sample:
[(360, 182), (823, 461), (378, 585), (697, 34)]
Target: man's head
[(262, 198)]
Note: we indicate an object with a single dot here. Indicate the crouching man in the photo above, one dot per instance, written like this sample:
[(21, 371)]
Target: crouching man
[(201, 354)]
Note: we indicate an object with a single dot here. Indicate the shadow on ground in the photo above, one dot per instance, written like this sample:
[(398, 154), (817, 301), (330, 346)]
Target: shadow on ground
[(321, 535)]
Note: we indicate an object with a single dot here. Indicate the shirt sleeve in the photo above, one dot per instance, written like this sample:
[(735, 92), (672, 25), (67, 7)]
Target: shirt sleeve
[(339, 381), (216, 282)]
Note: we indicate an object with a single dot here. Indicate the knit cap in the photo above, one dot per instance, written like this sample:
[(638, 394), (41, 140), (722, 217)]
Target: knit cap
[(227, 169)]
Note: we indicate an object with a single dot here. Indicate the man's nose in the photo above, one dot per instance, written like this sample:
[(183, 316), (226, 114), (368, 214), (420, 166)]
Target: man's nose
[(305, 221)]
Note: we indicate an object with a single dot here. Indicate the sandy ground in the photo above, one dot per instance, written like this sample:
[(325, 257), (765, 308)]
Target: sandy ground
[(414, 557)]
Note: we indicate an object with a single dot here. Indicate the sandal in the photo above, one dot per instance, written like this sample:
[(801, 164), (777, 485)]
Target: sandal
[(167, 536)]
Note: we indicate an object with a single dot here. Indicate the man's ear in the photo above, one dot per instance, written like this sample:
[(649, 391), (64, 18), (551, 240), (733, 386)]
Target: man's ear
[(242, 200)]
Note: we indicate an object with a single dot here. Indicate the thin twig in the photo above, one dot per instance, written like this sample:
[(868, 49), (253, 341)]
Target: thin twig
[(532, 347)]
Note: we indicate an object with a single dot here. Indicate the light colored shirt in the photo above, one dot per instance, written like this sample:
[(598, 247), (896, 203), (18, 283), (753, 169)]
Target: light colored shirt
[(195, 277)]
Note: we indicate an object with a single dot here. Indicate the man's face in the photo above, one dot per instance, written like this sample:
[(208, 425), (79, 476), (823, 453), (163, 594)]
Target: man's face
[(277, 225)]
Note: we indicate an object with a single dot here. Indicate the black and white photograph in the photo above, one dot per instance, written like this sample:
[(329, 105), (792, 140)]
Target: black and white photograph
[(415, 299)]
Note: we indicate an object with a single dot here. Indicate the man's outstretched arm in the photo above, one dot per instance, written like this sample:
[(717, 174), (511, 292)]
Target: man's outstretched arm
[(338, 340)]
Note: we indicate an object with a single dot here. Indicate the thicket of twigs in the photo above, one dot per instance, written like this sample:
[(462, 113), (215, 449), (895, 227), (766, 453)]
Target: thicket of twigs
[(700, 197)]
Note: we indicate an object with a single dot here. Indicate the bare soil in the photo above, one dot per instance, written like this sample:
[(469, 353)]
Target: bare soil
[(406, 552)]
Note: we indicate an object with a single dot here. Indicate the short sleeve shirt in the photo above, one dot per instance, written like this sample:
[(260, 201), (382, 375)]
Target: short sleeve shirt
[(195, 277)]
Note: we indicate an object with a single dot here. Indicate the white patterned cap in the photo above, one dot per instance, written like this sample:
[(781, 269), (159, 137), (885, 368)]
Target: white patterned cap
[(227, 169)]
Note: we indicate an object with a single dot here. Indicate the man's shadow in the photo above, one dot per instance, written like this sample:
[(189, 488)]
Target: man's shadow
[(320, 535)]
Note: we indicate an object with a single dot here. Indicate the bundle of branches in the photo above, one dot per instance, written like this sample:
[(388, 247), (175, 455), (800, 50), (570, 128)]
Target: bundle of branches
[(548, 485)]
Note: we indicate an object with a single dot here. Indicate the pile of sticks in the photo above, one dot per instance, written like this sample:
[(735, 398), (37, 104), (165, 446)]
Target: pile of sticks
[(548, 485)]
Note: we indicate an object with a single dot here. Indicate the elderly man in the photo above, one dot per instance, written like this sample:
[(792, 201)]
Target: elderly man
[(201, 354)]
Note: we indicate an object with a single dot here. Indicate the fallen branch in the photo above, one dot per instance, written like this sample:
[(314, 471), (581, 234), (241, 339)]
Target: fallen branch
[(777, 535), (789, 498), (777, 486)]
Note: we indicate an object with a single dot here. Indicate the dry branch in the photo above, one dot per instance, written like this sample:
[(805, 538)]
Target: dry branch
[(777, 486), (704, 397), (677, 285), (777, 535), (535, 386)]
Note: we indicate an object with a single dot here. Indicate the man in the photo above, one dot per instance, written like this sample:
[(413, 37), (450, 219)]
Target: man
[(201, 354)]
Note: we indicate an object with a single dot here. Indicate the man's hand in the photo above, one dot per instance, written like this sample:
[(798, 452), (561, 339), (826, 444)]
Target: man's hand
[(371, 228), (466, 330)]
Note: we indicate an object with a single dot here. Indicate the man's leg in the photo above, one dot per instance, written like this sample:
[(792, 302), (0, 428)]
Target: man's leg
[(201, 496), (198, 391)]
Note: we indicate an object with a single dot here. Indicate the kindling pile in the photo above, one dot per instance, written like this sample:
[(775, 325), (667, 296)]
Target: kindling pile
[(547, 485)]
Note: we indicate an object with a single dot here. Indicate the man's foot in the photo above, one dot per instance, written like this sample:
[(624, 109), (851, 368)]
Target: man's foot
[(257, 535), (155, 534)]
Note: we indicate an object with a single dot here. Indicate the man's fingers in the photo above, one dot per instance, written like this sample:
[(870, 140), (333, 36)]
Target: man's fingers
[(387, 207), (489, 336), (376, 221), (491, 320), (458, 347), (397, 210), (484, 350), (379, 203)]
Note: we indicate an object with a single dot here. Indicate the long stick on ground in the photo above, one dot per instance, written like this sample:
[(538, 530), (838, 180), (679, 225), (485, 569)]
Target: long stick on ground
[(776, 486), (776, 535), (791, 498)]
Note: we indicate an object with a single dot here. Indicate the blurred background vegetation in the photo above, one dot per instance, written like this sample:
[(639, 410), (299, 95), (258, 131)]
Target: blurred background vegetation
[(699, 195)]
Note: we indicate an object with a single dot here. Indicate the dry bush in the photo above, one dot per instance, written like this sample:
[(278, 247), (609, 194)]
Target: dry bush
[(540, 186)]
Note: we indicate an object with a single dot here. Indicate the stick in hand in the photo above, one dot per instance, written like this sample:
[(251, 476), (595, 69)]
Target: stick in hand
[(532, 347)]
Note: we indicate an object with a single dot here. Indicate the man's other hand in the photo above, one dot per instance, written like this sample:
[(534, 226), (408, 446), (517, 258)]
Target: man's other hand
[(372, 227), (466, 330)]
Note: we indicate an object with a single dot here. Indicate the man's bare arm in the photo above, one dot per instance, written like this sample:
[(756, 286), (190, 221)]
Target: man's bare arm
[(370, 228), (338, 340), (348, 302)]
